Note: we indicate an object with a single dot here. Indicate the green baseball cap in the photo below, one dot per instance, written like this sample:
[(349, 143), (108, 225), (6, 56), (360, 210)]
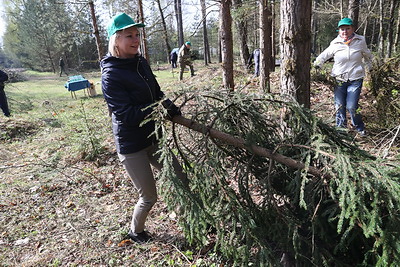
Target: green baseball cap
[(345, 21), (189, 43), (120, 22)]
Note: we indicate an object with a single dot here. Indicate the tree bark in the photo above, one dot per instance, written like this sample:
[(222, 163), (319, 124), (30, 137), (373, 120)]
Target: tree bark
[(390, 29), (96, 31), (178, 14), (396, 40), (314, 25), (241, 26), (226, 44), (273, 36), (295, 38), (265, 46), (382, 32), (354, 11)]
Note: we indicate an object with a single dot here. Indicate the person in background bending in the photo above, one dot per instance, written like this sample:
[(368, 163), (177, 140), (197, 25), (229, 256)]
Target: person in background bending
[(3, 97), (350, 53), (131, 90), (185, 59)]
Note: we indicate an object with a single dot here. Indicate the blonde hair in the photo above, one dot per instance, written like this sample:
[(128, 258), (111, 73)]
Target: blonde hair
[(112, 47)]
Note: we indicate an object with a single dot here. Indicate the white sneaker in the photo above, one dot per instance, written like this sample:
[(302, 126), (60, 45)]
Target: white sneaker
[(362, 133)]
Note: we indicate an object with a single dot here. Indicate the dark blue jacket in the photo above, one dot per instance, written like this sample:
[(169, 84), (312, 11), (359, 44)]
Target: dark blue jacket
[(129, 87)]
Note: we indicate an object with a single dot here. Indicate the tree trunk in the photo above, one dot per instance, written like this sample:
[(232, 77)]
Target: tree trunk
[(390, 29), (241, 26), (382, 32), (96, 31), (206, 46), (295, 38), (178, 14), (354, 11), (396, 40), (273, 37), (219, 47), (226, 44), (314, 25), (265, 46), (144, 40), (165, 31)]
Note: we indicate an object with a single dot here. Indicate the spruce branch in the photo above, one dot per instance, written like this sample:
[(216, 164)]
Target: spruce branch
[(241, 143)]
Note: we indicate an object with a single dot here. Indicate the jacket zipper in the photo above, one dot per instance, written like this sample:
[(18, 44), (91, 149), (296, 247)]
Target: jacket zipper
[(137, 69)]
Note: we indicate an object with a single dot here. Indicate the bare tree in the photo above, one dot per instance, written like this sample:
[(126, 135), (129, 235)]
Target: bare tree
[(390, 28), (207, 56), (165, 32), (96, 31), (179, 22), (241, 27), (144, 39), (382, 30), (265, 45), (225, 32), (295, 36)]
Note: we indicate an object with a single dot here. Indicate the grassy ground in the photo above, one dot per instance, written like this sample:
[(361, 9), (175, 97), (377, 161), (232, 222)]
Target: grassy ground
[(65, 199)]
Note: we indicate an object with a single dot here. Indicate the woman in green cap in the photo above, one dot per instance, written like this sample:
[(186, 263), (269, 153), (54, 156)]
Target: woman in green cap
[(350, 53), (130, 90)]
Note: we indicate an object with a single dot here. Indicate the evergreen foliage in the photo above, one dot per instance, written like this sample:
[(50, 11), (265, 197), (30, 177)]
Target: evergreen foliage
[(255, 210), (40, 32)]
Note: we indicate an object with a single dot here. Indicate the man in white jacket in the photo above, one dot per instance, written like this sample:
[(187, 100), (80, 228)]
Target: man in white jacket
[(350, 53)]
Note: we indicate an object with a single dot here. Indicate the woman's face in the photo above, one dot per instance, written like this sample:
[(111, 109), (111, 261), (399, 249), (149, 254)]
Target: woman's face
[(128, 42), (346, 31)]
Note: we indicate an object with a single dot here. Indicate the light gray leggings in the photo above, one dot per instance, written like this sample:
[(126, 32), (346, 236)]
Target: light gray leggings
[(138, 168)]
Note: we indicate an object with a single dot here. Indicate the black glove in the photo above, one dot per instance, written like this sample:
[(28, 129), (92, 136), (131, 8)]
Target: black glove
[(171, 108)]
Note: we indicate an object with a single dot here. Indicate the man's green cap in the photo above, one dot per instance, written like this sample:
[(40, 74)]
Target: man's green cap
[(345, 21), (189, 43), (120, 22)]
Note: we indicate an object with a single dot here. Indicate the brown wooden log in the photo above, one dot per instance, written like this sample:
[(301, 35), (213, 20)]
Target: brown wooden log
[(241, 143)]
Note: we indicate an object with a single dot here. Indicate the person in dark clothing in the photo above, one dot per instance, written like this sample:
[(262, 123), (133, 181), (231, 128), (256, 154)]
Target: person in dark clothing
[(131, 90), (3, 97), (174, 58), (256, 56), (62, 66)]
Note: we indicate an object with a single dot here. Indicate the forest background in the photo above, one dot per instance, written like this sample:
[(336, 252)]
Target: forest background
[(296, 216)]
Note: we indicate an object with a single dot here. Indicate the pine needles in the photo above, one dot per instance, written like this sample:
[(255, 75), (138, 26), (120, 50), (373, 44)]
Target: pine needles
[(254, 209)]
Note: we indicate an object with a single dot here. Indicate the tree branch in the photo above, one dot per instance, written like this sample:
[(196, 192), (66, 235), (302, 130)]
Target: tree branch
[(241, 143)]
